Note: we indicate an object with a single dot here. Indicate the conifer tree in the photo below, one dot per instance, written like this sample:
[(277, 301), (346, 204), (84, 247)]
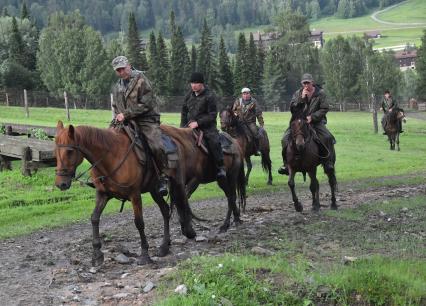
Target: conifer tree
[(206, 60), (152, 57), (134, 49), (24, 11), (240, 69), (17, 51), (260, 62), (251, 65), (193, 59), (226, 82), (180, 65), (163, 66)]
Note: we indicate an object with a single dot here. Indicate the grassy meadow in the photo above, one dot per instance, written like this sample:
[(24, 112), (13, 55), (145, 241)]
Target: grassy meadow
[(361, 155), (412, 11)]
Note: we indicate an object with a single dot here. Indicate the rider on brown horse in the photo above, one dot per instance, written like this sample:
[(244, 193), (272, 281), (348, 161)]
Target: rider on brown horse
[(247, 110), (134, 100), (389, 104), (310, 102), (199, 110)]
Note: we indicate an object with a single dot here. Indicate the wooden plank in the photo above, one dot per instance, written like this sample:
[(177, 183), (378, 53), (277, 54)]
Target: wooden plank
[(25, 129), (41, 150)]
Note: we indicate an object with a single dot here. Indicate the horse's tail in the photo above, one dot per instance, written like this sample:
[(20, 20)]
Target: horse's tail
[(241, 188), (264, 151)]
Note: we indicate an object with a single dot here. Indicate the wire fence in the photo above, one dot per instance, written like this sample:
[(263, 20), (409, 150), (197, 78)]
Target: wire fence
[(14, 97)]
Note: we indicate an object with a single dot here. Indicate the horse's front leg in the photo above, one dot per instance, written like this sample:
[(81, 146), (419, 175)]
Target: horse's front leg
[(249, 167), (101, 201), (291, 184), (229, 187), (191, 187), (332, 181), (397, 141), (165, 212), (138, 218), (179, 197), (314, 187)]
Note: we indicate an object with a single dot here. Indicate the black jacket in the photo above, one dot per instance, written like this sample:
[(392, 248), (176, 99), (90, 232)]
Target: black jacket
[(201, 108)]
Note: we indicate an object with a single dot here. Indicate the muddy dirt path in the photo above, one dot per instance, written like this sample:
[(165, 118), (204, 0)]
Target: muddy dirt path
[(53, 267)]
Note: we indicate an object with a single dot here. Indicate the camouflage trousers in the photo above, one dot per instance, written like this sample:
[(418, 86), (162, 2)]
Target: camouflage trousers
[(152, 134)]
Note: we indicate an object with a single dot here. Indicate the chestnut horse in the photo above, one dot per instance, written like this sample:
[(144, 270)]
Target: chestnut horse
[(116, 172), (234, 127), (303, 155)]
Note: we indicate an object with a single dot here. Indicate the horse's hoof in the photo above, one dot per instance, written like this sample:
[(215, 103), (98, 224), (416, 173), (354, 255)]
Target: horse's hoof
[(144, 260), (189, 232), (98, 259), (298, 207), (163, 250), (223, 228), (238, 222)]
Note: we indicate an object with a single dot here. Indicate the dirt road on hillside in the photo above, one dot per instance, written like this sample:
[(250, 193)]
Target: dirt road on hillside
[(53, 267)]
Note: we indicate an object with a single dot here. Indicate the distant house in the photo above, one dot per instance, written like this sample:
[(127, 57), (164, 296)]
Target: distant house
[(267, 39), (406, 59), (316, 38), (372, 34)]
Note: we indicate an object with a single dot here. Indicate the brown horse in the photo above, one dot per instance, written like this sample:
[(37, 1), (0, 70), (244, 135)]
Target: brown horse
[(117, 173), (303, 155), (232, 125), (392, 126)]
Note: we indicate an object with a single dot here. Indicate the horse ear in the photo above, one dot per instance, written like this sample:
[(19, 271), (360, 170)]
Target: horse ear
[(71, 131), (59, 127)]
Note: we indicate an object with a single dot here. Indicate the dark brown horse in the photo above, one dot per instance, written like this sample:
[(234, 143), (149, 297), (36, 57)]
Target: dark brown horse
[(392, 126), (233, 126), (117, 173), (303, 155)]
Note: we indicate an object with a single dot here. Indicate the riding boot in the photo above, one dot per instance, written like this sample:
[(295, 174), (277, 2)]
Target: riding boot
[(163, 183), (256, 147), (284, 169)]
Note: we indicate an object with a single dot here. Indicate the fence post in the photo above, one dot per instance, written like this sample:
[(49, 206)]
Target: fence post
[(7, 99), (66, 105), (112, 109), (27, 113)]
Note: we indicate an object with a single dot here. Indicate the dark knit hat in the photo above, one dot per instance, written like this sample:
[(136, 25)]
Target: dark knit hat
[(197, 77)]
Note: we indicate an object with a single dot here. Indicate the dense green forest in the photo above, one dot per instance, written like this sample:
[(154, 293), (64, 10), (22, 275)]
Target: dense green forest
[(68, 54), (112, 15)]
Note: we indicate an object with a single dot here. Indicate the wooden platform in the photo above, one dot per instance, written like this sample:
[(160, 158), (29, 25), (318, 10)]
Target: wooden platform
[(27, 129), (34, 153)]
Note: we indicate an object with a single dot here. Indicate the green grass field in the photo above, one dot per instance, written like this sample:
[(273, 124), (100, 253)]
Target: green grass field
[(361, 155), (413, 11)]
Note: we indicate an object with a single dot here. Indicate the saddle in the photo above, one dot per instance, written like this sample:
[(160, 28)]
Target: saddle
[(141, 147), (224, 138)]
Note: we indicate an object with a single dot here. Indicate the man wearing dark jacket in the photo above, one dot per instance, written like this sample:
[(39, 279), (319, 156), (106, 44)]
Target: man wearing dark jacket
[(199, 110), (310, 100)]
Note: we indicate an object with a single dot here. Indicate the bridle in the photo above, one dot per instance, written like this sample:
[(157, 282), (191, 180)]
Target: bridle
[(86, 154)]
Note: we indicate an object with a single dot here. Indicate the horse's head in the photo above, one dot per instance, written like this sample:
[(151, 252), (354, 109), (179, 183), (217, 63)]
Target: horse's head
[(299, 132), (68, 156), (226, 119)]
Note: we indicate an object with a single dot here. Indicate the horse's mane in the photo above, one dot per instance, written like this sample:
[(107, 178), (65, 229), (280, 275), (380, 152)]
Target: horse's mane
[(236, 123), (88, 136)]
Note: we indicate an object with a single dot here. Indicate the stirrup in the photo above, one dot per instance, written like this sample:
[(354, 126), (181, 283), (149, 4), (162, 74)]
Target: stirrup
[(162, 186)]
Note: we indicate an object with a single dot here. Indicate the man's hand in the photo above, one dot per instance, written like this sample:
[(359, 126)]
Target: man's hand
[(390, 110), (193, 124), (119, 117), (309, 119), (305, 92)]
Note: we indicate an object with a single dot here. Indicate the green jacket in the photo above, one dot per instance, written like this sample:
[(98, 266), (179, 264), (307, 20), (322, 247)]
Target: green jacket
[(248, 112), (201, 108), (388, 104), (317, 107), (135, 99)]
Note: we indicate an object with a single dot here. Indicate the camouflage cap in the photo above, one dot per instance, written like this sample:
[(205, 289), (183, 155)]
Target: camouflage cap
[(120, 62), (307, 77)]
